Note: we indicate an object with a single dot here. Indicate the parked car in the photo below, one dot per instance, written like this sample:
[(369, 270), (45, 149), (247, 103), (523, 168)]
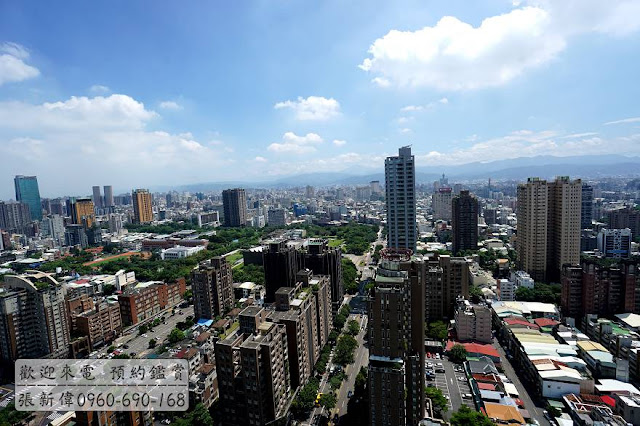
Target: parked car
[(466, 396), (349, 394)]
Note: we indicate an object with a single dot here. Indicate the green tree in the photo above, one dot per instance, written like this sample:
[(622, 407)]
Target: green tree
[(328, 401), (111, 348), (361, 379), (176, 335), (465, 416), (10, 416), (345, 349), (305, 399), (437, 330), (108, 289), (437, 398), (349, 276), (198, 416), (458, 354), (187, 295), (122, 356), (475, 294), (152, 343), (354, 327)]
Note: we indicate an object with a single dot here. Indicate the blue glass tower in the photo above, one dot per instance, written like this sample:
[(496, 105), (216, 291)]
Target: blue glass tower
[(27, 192)]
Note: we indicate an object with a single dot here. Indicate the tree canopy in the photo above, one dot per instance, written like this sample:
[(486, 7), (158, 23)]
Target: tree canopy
[(437, 398), (437, 330), (458, 354), (465, 416), (345, 349), (541, 292), (349, 276)]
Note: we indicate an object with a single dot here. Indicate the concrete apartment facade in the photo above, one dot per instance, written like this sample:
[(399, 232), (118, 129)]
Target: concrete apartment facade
[(212, 287), (400, 187)]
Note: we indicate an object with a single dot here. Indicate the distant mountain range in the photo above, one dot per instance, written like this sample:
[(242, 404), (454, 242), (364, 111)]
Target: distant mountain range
[(584, 166)]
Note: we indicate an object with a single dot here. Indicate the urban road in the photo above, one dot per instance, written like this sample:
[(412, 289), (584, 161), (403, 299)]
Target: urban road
[(139, 344)]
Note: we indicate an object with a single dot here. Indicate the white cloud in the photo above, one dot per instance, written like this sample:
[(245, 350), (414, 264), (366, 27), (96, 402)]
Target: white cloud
[(405, 130), (170, 105), (99, 89), (403, 120), (294, 144), (339, 142), (527, 143), (412, 108), (260, 159), (382, 82), (12, 64), (454, 55), (315, 108), (106, 138), (578, 135), (430, 105), (78, 113), (624, 121)]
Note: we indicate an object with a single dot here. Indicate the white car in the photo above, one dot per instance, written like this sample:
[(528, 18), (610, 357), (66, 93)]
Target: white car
[(144, 335)]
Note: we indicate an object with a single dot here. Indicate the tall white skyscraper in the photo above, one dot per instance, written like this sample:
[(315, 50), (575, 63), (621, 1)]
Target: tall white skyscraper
[(400, 186)]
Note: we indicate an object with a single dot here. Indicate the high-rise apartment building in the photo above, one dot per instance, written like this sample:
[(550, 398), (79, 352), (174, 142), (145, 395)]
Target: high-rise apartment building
[(52, 226), (400, 186), (97, 197), (212, 288), (76, 235), (549, 219), (277, 217), (396, 340), (586, 213), (305, 310), (318, 257), (446, 280), (82, 211), (142, 206), (14, 216), (33, 317), (595, 287), (281, 264), (441, 204), (615, 242), (625, 218), (563, 225), (252, 365), (27, 191), (464, 212), (234, 202), (531, 242), (108, 196), (310, 191)]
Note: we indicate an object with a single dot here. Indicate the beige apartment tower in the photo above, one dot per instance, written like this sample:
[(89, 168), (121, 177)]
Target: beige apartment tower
[(563, 225), (142, 206), (252, 367), (531, 243)]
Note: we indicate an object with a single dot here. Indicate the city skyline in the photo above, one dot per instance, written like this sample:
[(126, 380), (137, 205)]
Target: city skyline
[(342, 101)]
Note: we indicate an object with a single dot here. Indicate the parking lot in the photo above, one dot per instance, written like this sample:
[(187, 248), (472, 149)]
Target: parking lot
[(452, 383)]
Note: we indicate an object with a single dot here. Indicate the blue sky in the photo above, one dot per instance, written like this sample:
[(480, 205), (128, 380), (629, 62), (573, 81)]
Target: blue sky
[(148, 93)]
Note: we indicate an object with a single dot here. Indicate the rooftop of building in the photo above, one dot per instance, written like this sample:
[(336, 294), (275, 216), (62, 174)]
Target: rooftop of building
[(588, 345), (613, 385), (505, 414)]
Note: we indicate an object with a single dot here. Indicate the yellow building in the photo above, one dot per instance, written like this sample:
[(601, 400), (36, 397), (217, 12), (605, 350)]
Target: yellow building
[(142, 210), (82, 212)]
